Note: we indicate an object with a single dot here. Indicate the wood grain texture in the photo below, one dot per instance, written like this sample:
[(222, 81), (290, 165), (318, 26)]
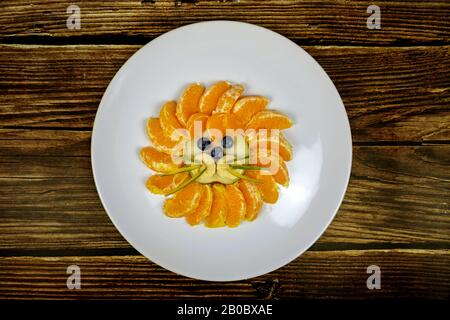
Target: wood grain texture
[(391, 94), (398, 196), (395, 213), (325, 274), (314, 21)]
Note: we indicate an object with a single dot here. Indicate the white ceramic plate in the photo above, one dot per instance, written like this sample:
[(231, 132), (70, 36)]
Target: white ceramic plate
[(267, 64)]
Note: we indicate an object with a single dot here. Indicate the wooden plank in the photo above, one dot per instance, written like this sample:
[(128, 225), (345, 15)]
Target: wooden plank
[(61, 143), (325, 274), (397, 196), (316, 21), (391, 94)]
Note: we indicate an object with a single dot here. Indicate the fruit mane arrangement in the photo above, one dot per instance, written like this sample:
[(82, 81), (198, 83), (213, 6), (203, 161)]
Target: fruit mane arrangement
[(218, 154)]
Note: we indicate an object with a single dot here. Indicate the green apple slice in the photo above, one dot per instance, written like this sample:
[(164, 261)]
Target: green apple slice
[(190, 151), (240, 147), (208, 175), (223, 175)]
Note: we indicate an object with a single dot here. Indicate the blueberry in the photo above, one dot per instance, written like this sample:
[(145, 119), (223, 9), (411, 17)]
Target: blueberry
[(203, 143), (227, 142), (217, 153)]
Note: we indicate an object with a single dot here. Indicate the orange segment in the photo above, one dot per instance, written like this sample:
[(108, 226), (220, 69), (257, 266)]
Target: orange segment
[(162, 184), (278, 169), (208, 101), (245, 108), (268, 186), (184, 201), (223, 121), (229, 98), (188, 103), (204, 207), (157, 161), (269, 119), (253, 198), (168, 119), (201, 118), (285, 148), (282, 175), (158, 138), (261, 142), (218, 214), (236, 208)]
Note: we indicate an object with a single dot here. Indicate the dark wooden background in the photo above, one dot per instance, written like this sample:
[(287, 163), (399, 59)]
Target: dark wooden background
[(395, 84)]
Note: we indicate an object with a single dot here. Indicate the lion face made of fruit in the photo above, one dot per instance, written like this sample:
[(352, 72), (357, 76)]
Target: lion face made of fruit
[(219, 154)]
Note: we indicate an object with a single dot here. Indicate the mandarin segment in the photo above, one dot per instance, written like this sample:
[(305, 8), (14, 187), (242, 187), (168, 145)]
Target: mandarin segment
[(267, 186), (269, 119), (223, 121), (199, 119), (157, 161), (253, 199), (208, 101), (184, 201), (236, 207), (276, 167), (282, 174), (285, 148), (162, 184), (189, 101), (204, 207), (229, 98), (265, 142), (246, 107), (159, 138), (218, 213), (168, 119)]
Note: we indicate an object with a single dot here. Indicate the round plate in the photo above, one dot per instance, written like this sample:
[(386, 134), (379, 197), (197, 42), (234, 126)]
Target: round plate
[(267, 64)]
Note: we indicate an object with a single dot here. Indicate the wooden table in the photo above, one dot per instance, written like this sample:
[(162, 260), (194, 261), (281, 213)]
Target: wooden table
[(395, 84)]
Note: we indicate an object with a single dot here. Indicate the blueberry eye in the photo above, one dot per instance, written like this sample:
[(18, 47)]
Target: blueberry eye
[(203, 143), (217, 153), (227, 142)]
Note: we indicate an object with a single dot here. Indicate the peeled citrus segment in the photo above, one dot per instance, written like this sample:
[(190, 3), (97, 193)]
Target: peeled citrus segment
[(208, 163), (204, 207), (264, 143), (229, 98), (268, 186), (276, 167), (199, 120), (285, 148), (208, 101), (269, 119), (184, 201), (282, 175), (222, 122), (236, 207), (218, 213), (245, 108), (162, 184), (188, 103), (157, 161), (168, 119), (253, 199), (158, 137)]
